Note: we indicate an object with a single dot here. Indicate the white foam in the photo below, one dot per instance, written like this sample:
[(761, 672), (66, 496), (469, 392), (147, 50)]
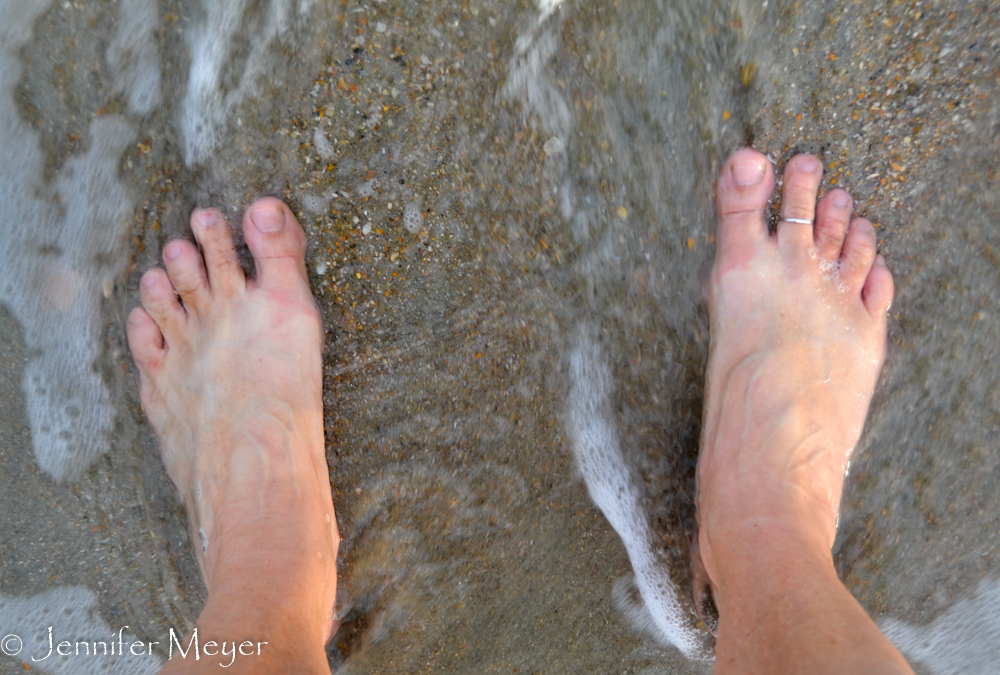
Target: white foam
[(71, 611), (546, 8), (322, 144), (207, 105), (964, 640), (600, 461), (315, 204), (413, 217), (529, 83), (63, 246), (133, 57)]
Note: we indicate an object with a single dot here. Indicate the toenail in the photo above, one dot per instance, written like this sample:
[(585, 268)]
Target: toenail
[(171, 252), (268, 219), (207, 218), (149, 280), (841, 200), (748, 172), (808, 165)]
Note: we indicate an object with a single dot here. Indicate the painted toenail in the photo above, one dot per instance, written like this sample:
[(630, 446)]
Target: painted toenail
[(172, 252), (841, 200), (268, 219), (748, 172), (808, 165), (149, 281)]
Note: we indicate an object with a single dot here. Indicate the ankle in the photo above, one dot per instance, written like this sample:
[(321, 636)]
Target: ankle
[(764, 530)]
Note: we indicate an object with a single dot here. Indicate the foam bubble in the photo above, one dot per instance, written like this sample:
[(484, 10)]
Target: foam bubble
[(72, 613), (366, 189), (413, 217), (56, 263), (600, 461), (315, 204), (964, 640), (322, 144)]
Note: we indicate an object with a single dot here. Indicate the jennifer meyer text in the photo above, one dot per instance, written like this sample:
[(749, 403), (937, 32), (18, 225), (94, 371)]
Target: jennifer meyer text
[(119, 646)]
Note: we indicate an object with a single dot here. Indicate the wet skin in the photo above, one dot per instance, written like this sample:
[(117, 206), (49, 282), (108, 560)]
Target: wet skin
[(231, 380), (798, 337)]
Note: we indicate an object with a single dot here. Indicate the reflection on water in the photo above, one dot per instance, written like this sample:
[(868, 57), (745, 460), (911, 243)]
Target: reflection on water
[(483, 184)]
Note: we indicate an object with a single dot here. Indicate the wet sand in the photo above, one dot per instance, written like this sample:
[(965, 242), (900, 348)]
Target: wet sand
[(562, 172)]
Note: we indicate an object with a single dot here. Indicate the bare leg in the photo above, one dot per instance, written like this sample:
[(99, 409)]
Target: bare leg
[(798, 336), (232, 384)]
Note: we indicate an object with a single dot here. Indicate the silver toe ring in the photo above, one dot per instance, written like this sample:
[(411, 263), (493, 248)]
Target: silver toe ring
[(797, 221)]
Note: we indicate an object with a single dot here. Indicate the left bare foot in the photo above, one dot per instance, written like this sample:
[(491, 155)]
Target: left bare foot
[(231, 380)]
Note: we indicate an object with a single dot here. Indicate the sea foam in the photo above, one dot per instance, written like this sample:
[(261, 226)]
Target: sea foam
[(207, 104), (963, 640), (599, 459), (72, 613), (63, 247)]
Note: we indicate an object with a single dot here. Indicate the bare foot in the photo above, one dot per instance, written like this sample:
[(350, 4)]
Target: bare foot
[(798, 336), (232, 383)]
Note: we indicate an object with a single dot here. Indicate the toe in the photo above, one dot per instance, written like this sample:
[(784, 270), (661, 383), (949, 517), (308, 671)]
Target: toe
[(745, 184), (858, 254), (186, 272), (798, 202), (211, 229), (160, 300), (878, 289), (145, 341), (277, 242), (833, 215)]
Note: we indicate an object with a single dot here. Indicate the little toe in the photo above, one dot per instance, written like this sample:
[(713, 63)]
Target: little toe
[(744, 187), (803, 174), (878, 289), (145, 341), (186, 272), (160, 300), (211, 229), (858, 254), (277, 242), (833, 216)]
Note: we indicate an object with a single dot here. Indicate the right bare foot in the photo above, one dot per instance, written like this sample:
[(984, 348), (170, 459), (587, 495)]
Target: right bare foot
[(798, 334)]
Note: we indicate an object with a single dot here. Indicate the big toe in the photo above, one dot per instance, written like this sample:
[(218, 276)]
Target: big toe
[(744, 187), (277, 242)]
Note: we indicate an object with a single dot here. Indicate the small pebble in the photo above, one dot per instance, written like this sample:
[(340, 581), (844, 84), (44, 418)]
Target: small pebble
[(321, 267), (622, 212), (366, 229), (380, 27)]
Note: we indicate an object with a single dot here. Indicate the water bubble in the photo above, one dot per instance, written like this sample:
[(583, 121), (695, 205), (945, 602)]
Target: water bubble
[(413, 218)]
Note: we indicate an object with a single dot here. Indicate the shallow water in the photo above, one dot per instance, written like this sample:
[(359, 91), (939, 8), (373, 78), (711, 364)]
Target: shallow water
[(509, 210)]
